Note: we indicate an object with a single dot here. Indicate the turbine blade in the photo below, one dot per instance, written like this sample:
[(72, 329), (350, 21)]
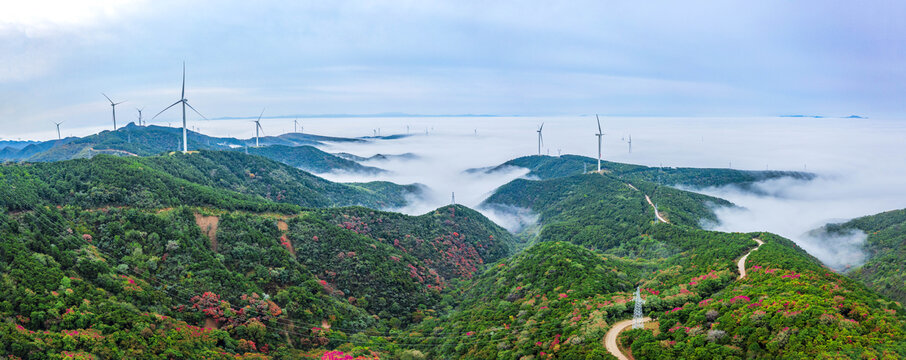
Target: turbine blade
[(119, 103), (162, 111), (259, 117), (108, 98), (196, 111), (542, 127), (183, 96), (599, 124)]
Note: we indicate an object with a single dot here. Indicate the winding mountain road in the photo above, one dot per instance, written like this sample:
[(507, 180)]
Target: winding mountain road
[(742, 261), (656, 213), (610, 339)]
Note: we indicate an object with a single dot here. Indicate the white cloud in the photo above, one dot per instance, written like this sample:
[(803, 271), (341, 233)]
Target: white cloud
[(42, 18)]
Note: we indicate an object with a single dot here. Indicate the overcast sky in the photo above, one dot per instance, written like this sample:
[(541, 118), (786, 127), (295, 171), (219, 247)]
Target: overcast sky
[(685, 58)]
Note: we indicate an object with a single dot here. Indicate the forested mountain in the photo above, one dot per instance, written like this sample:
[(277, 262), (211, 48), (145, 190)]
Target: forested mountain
[(179, 283), (548, 167), (557, 300), (310, 159), (600, 210), (224, 255), (453, 241), (293, 149), (789, 306), (177, 179), (405, 156), (187, 282), (886, 248)]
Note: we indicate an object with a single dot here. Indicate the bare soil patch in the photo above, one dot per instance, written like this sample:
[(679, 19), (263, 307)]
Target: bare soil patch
[(208, 225)]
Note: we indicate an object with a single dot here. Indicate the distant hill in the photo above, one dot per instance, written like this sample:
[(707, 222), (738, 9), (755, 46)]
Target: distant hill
[(293, 149), (185, 179), (311, 159), (405, 156), (547, 167), (885, 269), (16, 144)]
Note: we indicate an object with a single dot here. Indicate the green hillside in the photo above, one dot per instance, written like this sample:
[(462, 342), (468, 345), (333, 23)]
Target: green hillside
[(548, 167), (292, 149), (128, 283), (788, 307), (886, 248), (453, 241), (600, 210), (557, 300), (184, 179), (310, 159), (268, 279), (224, 255)]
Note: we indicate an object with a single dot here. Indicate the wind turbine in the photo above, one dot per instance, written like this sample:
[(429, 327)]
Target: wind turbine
[(295, 124), (182, 99), (113, 105), (540, 138), (630, 143), (58, 129), (258, 127), (600, 136), (139, 116)]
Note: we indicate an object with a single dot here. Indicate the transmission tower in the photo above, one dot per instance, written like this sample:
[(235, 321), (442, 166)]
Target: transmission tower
[(637, 322)]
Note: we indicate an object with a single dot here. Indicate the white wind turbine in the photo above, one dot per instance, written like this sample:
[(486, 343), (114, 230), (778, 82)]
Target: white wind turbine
[(295, 125), (540, 138), (59, 137), (258, 127), (139, 115), (182, 99), (600, 136), (113, 105)]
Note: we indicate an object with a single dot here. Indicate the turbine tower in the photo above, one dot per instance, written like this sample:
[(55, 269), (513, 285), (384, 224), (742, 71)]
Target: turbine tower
[(630, 143), (113, 105), (182, 99), (637, 321), (258, 127), (600, 136), (59, 137), (139, 116), (540, 138)]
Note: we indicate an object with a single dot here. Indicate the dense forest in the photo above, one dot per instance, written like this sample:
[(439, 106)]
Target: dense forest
[(310, 159), (132, 140), (226, 255), (189, 282), (789, 306), (600, 210), (549, 167), (886, 248), (191, 179)]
